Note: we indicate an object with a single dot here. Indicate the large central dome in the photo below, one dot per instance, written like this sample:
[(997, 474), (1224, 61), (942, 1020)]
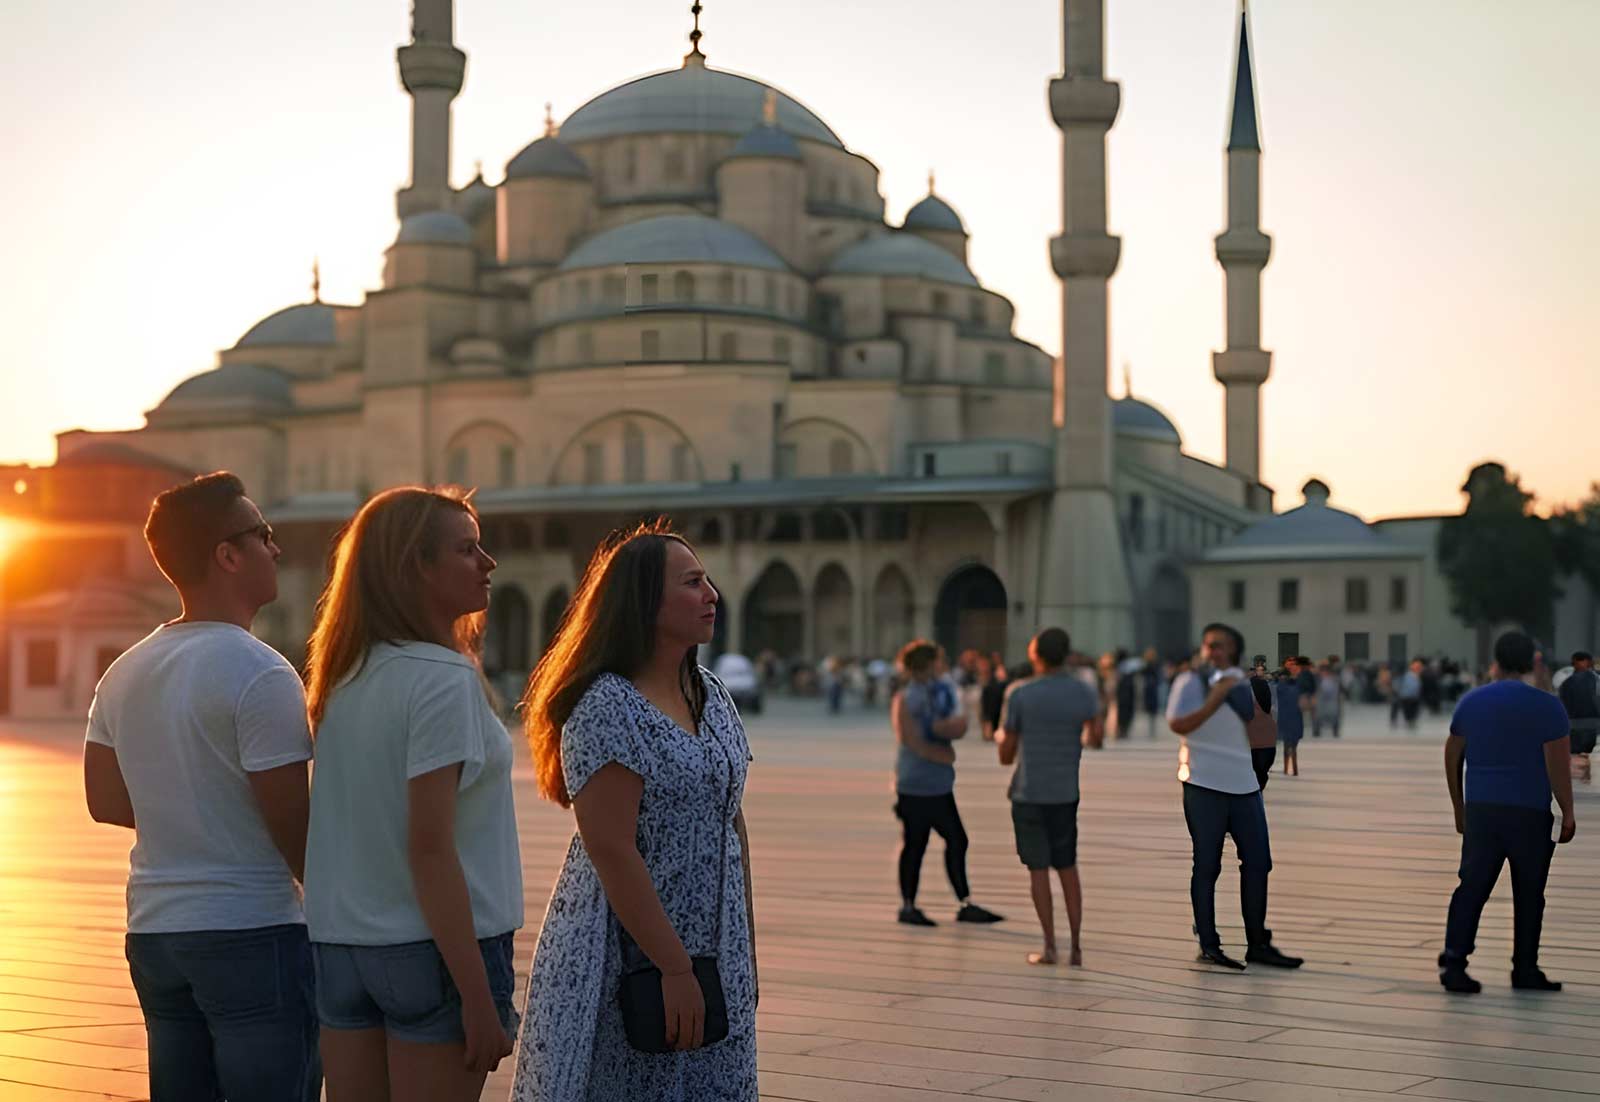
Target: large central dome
[(693, 99)]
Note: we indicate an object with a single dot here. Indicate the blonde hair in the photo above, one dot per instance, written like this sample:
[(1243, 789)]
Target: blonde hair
[(374, 592)]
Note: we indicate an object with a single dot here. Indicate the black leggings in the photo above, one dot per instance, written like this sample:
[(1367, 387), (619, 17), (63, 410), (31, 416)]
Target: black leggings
[(920, 815)]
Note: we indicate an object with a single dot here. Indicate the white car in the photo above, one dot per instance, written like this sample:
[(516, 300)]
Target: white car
[(738, 674)]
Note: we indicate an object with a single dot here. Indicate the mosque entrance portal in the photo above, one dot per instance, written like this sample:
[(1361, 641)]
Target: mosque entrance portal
[(971, 612)]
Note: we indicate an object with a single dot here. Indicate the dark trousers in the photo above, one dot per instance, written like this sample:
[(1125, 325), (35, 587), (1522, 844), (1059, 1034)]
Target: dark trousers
[(1261, 759), (1210, 815), (919, 816), (1495, 834), (228, 1014)]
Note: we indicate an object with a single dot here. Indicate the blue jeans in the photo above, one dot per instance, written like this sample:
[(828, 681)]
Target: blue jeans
[(1497, 834), (1211, 815), (228, 1014)]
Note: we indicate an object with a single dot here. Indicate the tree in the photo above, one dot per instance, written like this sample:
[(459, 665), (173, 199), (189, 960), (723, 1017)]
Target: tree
[(1576, 531), (1499, 558)]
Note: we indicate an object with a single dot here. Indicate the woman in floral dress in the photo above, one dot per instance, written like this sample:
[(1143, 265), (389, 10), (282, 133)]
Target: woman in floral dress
[(648, 750)]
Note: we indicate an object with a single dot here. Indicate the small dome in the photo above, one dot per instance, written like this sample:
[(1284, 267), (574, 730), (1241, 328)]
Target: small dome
[(933, 213), (1315, 530), (308, 323), (231, 384), (1132, 417), (548, 156), (434, 227), (474, 199), (693, 99), (765, 141), (669, 238), (901, 254), (107, 454)]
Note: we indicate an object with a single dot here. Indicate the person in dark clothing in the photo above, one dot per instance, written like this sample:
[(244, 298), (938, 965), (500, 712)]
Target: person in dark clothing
[(1127, 696), (1580, 696), (1262, 757), (1511, 740), (992, 676)]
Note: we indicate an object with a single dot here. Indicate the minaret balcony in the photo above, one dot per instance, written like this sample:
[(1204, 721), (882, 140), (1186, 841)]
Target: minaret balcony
[(1076, 255), (1243, 245), (431, 65), (1241, 366), (1084, 101)]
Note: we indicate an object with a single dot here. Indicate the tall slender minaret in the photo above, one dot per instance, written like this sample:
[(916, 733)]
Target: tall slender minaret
[(1242, 250), (432, 69), (1084, 582)]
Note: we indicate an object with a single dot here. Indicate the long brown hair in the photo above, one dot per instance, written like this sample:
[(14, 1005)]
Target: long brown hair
[(374, 591), (610, 627)]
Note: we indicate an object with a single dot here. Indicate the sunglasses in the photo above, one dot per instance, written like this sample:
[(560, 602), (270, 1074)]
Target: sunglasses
[(263, 531)]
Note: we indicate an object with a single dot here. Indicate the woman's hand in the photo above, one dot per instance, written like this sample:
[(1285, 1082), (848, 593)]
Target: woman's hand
[(686, 1010), (487, 1043)]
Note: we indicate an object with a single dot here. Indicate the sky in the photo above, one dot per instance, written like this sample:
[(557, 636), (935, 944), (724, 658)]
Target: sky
[(1431, 182)]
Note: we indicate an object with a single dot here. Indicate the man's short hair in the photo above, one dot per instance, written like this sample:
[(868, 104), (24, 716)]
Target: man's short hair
[(917, 655), (188, 521), (1513, 652), (1581, 656), (1052, 646), (1231, 632)]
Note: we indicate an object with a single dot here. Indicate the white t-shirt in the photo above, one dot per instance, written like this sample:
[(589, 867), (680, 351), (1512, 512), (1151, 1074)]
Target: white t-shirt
[(409, 709), (1215, 755), (189, 710)]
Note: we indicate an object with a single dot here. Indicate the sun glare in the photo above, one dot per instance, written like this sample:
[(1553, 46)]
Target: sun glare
[(11, 534)]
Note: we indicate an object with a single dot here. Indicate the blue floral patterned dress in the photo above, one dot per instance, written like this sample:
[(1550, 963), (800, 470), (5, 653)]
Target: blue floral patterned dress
[(572, 1044)]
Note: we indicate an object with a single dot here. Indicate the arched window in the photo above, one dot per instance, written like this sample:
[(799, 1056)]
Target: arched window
[(725, 288), (728, 346), (841, 457), (632, 453), (683, 287)]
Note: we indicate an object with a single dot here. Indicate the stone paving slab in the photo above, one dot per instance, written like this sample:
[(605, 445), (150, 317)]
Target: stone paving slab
[(856, 1008)]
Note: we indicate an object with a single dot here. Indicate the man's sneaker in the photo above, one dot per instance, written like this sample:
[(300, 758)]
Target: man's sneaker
[(1533, 980), (1220, 959), (911, 916), (1268, 954), (971, 912)]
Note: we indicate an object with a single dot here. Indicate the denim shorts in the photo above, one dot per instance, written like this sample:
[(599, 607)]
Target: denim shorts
[(406, 989)]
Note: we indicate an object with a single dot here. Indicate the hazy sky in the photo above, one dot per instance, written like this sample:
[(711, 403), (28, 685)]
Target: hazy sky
[(1431, 184)]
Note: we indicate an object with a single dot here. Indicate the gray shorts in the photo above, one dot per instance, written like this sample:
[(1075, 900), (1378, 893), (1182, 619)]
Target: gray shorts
[(1583, 742), (406, 989), (1047, 834)]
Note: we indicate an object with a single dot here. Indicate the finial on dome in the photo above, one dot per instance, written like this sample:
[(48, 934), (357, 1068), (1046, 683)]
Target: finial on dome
[(930, 181), (769, 107), (550, 127), (1127, 379), (477, 166), (694, 56), (316, 279)]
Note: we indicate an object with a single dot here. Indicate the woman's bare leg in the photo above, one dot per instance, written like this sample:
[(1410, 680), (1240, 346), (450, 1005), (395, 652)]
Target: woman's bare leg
[(432, 1073), (355, 1064)]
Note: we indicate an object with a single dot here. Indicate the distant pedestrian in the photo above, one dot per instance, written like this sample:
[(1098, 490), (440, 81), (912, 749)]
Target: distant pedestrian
[(1408, 690), (1327, 708), (991, 695), (1127, 693), (1042, 732), (1580, 696), (1262, 728), (1512, 741), (1287, 710)]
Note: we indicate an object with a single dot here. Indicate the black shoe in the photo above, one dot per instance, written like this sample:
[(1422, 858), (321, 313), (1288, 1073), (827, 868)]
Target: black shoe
[(1268, 954), (1533, 980), (1220, 959), (1457, 982), (911, 916), (971, 912)]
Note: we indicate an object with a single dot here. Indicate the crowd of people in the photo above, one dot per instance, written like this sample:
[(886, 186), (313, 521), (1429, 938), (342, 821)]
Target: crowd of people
[(356, 926)]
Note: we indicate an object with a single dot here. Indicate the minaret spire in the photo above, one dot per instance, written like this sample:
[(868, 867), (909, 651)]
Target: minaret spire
[(1084, 582), (1243, 251), (316, 279), (432, 70), (550, 128), (694, 56)]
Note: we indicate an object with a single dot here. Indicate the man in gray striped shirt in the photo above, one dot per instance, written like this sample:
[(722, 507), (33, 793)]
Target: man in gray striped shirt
[(1041, 730)]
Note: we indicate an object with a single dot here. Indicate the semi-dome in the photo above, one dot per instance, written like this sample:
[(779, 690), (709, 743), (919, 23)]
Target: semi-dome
[(901, 254), (933, 213), (765, 141), (548, 156), (241, 383), (1133, 417), (434, 227), (1315, 530), (308, 323), (693, 99), (674, 238)]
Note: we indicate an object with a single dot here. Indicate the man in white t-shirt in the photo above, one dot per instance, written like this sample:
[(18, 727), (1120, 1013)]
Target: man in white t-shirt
[(1221, 796), (198, 742)]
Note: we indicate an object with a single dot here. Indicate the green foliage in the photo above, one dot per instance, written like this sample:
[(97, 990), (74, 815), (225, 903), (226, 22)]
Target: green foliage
[(1499, 558), (1576, 531)]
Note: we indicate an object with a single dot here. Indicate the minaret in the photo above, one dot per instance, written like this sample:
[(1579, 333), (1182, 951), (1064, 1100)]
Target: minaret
[(1242, 250), (1084, 582), (431, 68)]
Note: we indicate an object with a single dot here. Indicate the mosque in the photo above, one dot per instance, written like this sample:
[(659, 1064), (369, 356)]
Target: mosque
[(688, 298)]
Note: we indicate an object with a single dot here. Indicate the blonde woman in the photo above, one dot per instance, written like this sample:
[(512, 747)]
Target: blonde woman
[(413, 879), (643, 988)]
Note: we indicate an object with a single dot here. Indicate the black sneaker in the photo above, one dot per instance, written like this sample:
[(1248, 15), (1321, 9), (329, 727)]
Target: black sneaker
[(912, 916), (1268, 954), (1457, 982), (971, 912), (1533, 980), (1220, 959)]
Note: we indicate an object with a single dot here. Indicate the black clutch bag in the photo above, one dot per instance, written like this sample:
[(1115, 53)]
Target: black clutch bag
[(644, 1016)]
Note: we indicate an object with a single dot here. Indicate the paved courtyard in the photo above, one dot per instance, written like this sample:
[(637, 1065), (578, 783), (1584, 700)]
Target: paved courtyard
[(859, 1009)]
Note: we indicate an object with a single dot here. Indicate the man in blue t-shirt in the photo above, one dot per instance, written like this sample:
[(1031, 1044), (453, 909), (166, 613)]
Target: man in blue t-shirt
[(1513, 740)]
